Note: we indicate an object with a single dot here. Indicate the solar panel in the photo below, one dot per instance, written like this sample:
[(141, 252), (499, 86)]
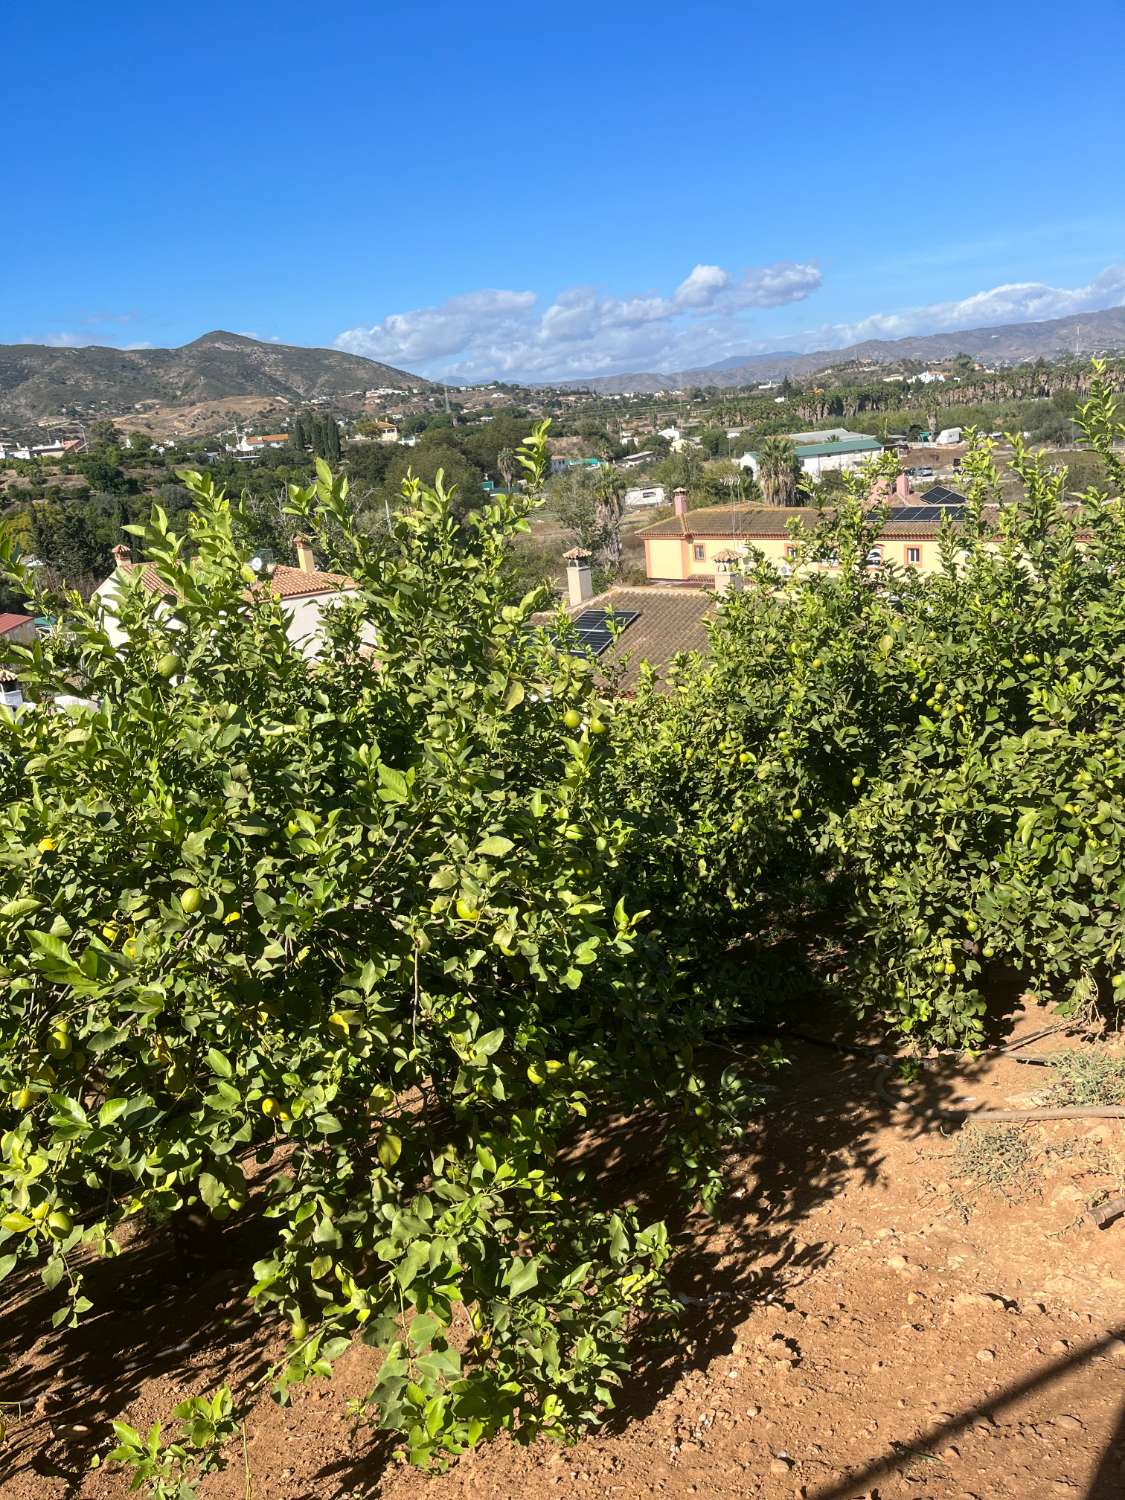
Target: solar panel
[(913, 513), (595, 619)]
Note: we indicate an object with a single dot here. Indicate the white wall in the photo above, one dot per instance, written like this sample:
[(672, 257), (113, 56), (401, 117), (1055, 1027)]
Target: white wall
[(302, 627)]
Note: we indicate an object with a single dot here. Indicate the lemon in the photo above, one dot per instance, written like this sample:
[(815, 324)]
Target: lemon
[(59, 1043), (339, 1022), (47, 846), (466, 910), (299, 1329), (60, 1223), (270, 1105), (169, 664), (572, 718), (597, 726), (191, 899), (23, 1098)]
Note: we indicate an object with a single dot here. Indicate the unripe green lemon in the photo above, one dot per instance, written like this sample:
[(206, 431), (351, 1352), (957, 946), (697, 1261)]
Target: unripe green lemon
[(59, 1043), (597, 726), (466, 910), (572, 718), (169, 664), (60, 1223), (23, 1098), (191, 899), (299, 1329)]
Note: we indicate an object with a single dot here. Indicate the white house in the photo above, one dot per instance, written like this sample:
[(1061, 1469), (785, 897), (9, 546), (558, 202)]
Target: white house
[(641, 497), (304, 592), (948, 435), (821, 452)]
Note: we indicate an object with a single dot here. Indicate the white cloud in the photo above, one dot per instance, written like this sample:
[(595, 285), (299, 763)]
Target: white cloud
[(495, 332), (1012, 302)]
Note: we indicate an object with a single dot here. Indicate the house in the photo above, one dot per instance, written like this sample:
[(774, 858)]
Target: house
[(655, 623), (255, 445), (949, 435), (640, 498), (303, 591), (637, 460), (929, 377), (689, 546), (819, 452), (20, 629)]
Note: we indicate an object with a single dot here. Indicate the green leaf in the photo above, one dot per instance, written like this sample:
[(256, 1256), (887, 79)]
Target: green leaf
[(522, 1275), (394, 785), (495, 844), (218, 1063)]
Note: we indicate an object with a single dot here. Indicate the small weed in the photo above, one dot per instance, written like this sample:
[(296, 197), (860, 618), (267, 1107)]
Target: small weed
[(1087, 1075), (995, 1157)]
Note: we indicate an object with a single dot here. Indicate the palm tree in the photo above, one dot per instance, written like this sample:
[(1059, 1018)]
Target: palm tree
[(779, 471)]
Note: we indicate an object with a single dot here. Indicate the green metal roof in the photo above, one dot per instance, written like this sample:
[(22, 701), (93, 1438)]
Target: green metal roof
[(847, 445)]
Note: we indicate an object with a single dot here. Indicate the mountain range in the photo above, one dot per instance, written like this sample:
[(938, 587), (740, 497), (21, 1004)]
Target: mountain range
[(1008, 343), (37, 381)]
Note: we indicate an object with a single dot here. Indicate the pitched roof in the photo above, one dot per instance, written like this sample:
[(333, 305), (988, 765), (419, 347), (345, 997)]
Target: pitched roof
[(13, 622), (732, 520), (668, 620), (285, 581), (845, 445), (754, 522)]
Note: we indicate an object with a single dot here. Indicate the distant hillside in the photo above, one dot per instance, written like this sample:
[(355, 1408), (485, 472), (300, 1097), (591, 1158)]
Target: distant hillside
[(1010, 343), (37, 382)]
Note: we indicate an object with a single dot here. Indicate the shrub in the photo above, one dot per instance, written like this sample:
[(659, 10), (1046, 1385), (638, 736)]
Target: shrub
[(371, 912), (937, 757)]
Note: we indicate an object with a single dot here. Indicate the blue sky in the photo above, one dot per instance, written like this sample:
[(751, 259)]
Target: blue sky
[(500, 190)]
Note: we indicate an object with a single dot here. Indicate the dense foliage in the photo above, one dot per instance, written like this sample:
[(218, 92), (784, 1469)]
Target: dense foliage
[(354, 941), (935, 760), (366, 942)]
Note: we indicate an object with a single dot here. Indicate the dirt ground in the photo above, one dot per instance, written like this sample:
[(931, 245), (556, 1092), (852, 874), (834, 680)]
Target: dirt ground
[(860, 1321)]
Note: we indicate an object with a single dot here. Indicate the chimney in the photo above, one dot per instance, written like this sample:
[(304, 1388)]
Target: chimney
[(679, 502), (306, 561), (121, 555), (902, 487), (579, 579), (728, 580)]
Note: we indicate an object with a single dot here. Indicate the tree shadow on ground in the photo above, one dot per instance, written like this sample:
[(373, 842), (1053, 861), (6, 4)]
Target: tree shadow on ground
[(1108, 1482), (815, 1134), (171, 1304)]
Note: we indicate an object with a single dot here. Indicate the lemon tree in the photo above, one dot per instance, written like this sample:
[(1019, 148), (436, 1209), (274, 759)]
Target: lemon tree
[(931, 763), (350, 942)]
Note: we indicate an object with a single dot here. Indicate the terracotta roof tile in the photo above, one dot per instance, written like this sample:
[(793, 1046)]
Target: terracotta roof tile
[(285, 581), (669, 619)]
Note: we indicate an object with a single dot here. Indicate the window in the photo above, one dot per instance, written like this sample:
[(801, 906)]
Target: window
[(699, 552), (875, 557), (790, 550), (913, 556)]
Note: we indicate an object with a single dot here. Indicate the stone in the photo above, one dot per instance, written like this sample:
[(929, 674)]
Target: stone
[(780, 1465), (986, 1356), (1067, 1423)]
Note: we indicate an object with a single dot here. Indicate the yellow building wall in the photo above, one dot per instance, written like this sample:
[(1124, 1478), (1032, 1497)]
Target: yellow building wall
[(666, 557), (671, 557)]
